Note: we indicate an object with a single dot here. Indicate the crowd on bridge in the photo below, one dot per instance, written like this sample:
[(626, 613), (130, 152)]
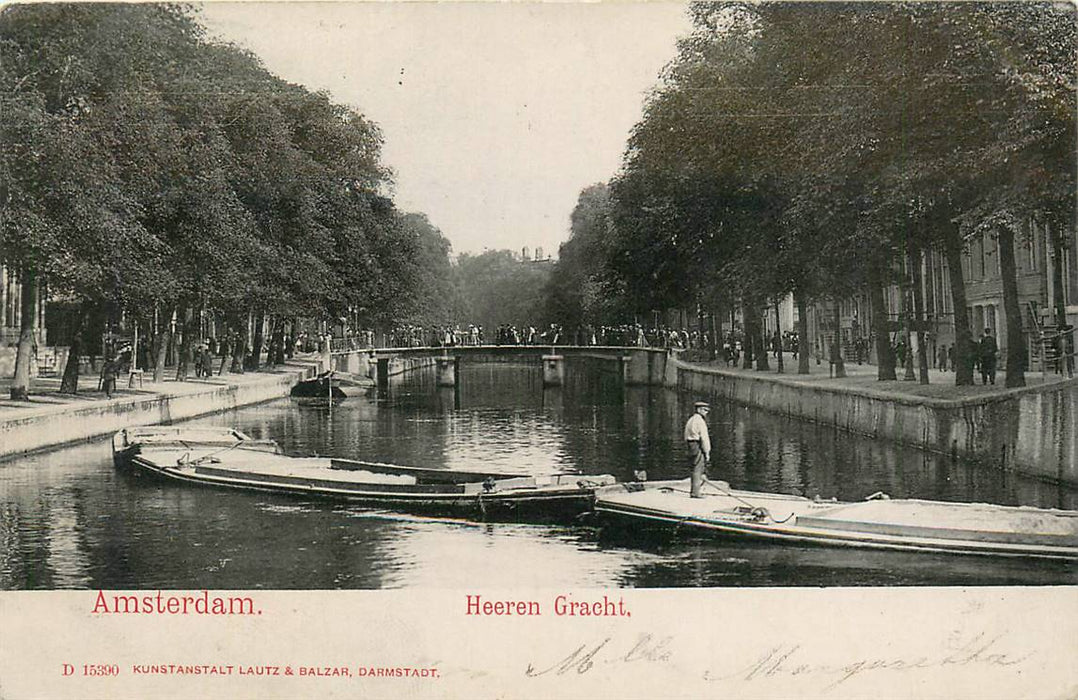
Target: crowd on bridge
[(626, 335)]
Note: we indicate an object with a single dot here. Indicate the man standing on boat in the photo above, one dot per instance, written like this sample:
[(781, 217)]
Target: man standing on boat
[(699, 443)]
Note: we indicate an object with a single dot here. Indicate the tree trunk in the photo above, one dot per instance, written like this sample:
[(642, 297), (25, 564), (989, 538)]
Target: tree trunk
[(1066, 344), (885, 358), (171, 357), (962, 352), (271, 344), (836, 344), (747, 335), (187, 346), (224, 347), (778, 335), (153, 336), (164, 342), (290, 346), (1016, 341), (762, 364), (24, 355), (908, 375), (277, 344), (259, 340), (711, 340), (239, 352), (239, 343), (802, 335), (69, 384), (700, 331), (759, 347), (919, 317)]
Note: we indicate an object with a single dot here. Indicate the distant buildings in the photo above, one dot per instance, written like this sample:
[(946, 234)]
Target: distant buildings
[(539, 258)]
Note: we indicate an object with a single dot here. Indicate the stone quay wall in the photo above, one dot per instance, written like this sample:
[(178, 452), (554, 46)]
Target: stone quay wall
[(51, 426), (1033, 431)]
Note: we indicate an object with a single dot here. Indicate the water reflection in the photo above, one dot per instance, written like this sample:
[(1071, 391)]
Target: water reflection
[(68, 519)]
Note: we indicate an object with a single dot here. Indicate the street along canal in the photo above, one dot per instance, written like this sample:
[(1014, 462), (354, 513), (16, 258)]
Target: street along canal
[(68, 519)]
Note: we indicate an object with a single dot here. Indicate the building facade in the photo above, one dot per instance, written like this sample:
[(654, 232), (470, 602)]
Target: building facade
[(1041, 280), (11, 322), (11, 309)]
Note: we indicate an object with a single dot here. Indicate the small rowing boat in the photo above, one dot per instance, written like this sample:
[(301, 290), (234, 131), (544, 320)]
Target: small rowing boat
[(321, 391), (227, 458), (878, 522)]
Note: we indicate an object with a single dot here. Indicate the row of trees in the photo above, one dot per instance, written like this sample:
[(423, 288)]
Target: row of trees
[(149, 170), (821, 149)]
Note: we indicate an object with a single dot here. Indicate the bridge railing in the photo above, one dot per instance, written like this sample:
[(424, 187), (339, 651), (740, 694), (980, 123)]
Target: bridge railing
[(502, 349)]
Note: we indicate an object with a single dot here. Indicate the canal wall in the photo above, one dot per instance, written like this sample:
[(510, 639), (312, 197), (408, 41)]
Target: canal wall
[(50, 426), (1033, 431)]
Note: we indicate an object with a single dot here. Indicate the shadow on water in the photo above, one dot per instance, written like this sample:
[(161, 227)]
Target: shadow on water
[(68, 519)]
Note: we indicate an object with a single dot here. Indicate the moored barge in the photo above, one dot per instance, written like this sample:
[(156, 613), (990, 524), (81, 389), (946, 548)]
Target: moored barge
[(878, 522), (228, 458)]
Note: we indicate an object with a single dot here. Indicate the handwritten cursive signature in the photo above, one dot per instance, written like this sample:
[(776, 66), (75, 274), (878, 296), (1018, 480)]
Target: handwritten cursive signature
[(646, 649), (784, 660)]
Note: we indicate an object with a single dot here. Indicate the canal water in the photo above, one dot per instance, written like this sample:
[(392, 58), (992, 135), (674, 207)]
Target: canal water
[(68, 519)]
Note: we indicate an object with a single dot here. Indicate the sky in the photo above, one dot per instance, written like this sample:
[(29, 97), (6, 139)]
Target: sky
[(495, 115)]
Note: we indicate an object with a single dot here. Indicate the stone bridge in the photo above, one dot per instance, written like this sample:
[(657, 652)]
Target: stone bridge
[(639, 366)]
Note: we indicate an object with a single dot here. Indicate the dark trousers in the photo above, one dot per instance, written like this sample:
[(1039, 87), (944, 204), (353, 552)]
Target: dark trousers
[(697, 465)]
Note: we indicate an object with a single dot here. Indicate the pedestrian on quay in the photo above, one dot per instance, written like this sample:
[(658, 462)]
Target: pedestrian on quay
[(699, 444), (988, 351), (108, 377), (900, 352), (207, 360)]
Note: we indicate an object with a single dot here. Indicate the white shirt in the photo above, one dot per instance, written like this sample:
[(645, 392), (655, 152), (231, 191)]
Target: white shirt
[(696, 429)]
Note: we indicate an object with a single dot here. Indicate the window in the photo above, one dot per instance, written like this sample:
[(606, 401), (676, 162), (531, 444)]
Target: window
[(945, 287), (1031, 246)]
